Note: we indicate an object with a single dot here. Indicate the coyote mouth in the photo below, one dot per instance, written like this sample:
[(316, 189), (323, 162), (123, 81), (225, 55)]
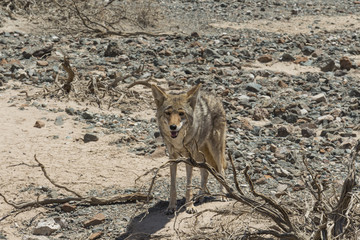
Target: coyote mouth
[(174, 134)]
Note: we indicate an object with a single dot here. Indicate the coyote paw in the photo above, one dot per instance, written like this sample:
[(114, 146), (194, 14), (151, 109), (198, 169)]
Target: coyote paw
[(191, 210), (170, 211)]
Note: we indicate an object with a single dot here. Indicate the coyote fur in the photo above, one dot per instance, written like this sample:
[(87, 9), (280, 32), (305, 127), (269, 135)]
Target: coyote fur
[(191, 124)]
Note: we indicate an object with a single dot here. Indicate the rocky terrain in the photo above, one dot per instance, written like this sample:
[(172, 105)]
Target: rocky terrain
[(288, 73)]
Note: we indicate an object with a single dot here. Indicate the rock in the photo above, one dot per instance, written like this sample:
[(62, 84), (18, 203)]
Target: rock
[(245, 124), (90, 138), (95, 235), (319, 97), (96, 220), (345, 63), (308, 50), (59, 121), (291, 118), (210, 53), (112, 50), (70, 111), (327, 117), (306, 132), (87, 116), (195, 34), (286, 57), (281, 172), (327, 65), (299, 60), (39, 124), (283, 132), (42, 63), (253, 87), (260, 114), (265, 58), (281, 187), (354, 93), (46, 227), (282, 84), (67, 207), (43, 51), (273, 148), (26, 54)]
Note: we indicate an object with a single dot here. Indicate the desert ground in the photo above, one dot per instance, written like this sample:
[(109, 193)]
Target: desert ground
[(288, 73)]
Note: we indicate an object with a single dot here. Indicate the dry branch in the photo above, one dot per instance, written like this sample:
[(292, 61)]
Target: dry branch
[(339, 213), (71, 74), (93, 201), (52, 182)]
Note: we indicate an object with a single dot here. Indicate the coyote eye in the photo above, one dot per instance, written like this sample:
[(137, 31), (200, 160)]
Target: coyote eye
[(181, 114), (168, 113)]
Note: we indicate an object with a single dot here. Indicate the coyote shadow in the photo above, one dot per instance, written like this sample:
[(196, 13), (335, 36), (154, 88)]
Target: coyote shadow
[(145, 224), (149, 223)]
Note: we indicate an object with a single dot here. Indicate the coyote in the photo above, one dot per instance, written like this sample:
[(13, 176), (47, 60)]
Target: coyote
[(191, 124)]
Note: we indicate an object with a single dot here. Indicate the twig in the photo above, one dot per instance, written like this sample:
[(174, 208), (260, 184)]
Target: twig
[(235, 174), (52, 182)]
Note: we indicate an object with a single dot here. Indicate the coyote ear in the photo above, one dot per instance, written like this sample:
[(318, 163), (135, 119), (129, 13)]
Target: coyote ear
[(193, 94), (159, 95)]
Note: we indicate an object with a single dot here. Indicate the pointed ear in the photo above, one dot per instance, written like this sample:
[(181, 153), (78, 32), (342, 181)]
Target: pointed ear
[(193, 94), (159, 95)]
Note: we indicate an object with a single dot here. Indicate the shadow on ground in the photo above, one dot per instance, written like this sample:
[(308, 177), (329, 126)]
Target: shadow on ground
[(146, 224)]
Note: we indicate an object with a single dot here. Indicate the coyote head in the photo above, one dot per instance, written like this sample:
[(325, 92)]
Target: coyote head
[(175, 111)]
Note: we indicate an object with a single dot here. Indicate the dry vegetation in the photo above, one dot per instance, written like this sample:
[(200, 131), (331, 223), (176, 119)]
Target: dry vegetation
[(322, 213), (89, 17)]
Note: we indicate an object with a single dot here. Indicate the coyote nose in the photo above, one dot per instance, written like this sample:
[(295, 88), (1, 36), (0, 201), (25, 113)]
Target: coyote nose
[(173, 127)]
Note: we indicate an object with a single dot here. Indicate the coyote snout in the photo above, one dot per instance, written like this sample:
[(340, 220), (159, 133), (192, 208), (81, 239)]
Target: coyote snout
[(192, 125)]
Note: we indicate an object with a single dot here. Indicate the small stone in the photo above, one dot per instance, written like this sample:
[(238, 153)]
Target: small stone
[(281, 172), (245, 124), (327, 117), (59, 121), (26, 54), (319, 97), (273, 148), (283, 132), (286, 57), (308, 50), (112, 50), (195, 34), (42, 63), (282, 187), (253, 87), (282, 84), (265, 58), (354, 93), (299, 60), (95, 235), (86, 115), (67, 207), (345, 63), (306, 132), (46, 227), (39, 124), (327, 65), (96, 220), (90, 138), (70, 111), (210, 53), (260, 181)]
